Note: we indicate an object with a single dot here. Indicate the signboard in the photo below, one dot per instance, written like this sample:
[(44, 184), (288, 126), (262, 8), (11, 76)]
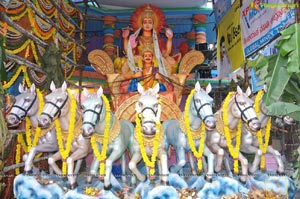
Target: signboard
[(221, 7), (230, 54), (262, 20)]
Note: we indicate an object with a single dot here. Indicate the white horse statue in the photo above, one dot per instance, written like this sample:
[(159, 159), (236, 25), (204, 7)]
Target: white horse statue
[(109, 136), (149, 141), (62, 111), (199, 117), (28, 104), (236, 108), (258, 142)]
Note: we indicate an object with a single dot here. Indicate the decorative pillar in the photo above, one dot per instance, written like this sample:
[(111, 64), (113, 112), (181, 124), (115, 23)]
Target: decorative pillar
[(108, 31), (200, 29), (191, 39), (117, 42)]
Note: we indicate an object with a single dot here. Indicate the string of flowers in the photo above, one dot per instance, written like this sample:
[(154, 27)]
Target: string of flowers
[(65, 152), (21, 13), (263, 145), (197, 153), (19, 49), (31, 144), (234, 152), (47, 9), (22, 142), (37, 29), (101, 157), (14, 77), (149, 163), (36, 57), (28, 134), (18, 156)]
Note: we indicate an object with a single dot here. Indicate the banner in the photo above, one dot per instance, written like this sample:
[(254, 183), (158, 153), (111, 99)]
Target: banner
[(262, 20), (220, 8), (230, 54)]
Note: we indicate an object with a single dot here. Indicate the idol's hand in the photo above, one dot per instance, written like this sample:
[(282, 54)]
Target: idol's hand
[(132, 41), (169, 33)]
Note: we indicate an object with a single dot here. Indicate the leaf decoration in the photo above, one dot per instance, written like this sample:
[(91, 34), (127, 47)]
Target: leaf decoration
[(281, 73)]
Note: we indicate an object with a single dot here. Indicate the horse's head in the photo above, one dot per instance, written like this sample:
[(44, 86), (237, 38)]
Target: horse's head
[(149, 109), (264, 113), (55, 105), (201, 106), (242, 107), (26, 104), (93, 111)]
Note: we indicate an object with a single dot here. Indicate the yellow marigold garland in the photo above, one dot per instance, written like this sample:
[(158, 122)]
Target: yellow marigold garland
[(101, 157), (20, 49), (149, 163), (18, 156), (198, 154), (262, 145), (234, 152), (65, 152), (28, 124), (19, 15), (22, 142), (16, 75)]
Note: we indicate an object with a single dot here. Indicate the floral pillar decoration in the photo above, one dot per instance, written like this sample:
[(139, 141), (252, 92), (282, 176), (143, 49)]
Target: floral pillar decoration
[(108, 30), (200, 28)]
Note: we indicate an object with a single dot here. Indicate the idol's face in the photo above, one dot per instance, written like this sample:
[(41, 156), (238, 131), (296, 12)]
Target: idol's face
[(147, 24), (147, 57)]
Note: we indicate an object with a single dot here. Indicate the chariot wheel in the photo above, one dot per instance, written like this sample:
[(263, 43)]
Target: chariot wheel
[(126, 110)]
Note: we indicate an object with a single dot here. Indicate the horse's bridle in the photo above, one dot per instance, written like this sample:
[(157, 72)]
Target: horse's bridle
[(199, 109), (22, 109), (243, 115), (95, 112), (58, 112), (153, 111)]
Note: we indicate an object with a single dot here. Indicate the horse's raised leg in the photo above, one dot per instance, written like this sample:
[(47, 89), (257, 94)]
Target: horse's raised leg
[(49, 147), (210, 162), (278, 159), (213, 140), (116, 154), (52, 162), (164, 167), (253, 150), (77, 167), (244, 165), (180, 154), (132, 165), (76, 155)]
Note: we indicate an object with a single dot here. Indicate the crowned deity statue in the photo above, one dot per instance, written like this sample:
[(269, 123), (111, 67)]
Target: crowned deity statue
[(147, 22)]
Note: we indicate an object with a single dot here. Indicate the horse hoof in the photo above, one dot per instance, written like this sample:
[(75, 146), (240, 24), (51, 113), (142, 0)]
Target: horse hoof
[(146, 178), (28, 173), (243, 181), (108, 187), (171, 168), (280, 173), (207, 179), (164, 183), (73, 186)]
